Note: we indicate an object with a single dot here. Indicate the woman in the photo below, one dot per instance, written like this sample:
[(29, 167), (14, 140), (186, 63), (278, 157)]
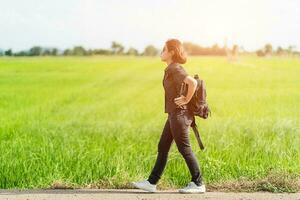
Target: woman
[(178, 122)]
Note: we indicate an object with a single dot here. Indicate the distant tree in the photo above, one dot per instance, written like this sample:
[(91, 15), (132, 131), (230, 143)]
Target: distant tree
[(22, 53), (132, 51), (260, 53), (1, 52), (8, 52), (195, 49), (235, 51), (89, 52), (35, 51), (54, 52), (79, 51), (46, 52), (117, 48), (279, 50), (67, 52), (232, 55), (268, 49), (101, 52), (290, 49), (150, 50), (215, 49)]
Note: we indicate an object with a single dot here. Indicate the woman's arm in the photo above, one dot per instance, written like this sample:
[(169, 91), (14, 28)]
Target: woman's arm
[(192, 84)]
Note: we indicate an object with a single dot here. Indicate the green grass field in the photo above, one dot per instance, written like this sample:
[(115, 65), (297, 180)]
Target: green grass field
[(96, 122)]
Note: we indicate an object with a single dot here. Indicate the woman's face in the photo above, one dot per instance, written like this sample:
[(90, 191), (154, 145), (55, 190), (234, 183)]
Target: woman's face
[(165, 55)]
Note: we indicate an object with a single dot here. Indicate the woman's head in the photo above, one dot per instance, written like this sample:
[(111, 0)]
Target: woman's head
[(173, 51)]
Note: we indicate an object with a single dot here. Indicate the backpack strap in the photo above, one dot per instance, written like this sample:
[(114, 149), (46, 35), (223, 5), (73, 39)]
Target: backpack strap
[(193, 122), (197, 134)]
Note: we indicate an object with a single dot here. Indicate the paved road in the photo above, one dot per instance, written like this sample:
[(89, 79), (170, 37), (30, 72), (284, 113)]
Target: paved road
[(132, 194)]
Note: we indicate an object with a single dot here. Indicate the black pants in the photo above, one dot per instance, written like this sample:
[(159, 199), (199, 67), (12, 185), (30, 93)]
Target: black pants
[(177, 128)]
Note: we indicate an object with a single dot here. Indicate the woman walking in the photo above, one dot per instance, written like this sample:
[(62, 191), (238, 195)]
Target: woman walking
[(179, 119)]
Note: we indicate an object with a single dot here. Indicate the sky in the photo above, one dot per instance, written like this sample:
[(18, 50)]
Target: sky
[(138, 23)]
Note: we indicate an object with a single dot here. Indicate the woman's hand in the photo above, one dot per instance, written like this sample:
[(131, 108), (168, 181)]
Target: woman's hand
[(192, 84), (182, 100)]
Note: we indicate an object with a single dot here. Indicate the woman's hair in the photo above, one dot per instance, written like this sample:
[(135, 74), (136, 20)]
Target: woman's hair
[(179, 52)]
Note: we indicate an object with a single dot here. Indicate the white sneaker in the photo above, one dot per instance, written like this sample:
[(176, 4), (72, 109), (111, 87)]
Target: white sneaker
[(145, 185), (193, 188)]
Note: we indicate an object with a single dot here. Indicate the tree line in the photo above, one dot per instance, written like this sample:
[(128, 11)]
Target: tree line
[(117, 48), (268, 50)]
